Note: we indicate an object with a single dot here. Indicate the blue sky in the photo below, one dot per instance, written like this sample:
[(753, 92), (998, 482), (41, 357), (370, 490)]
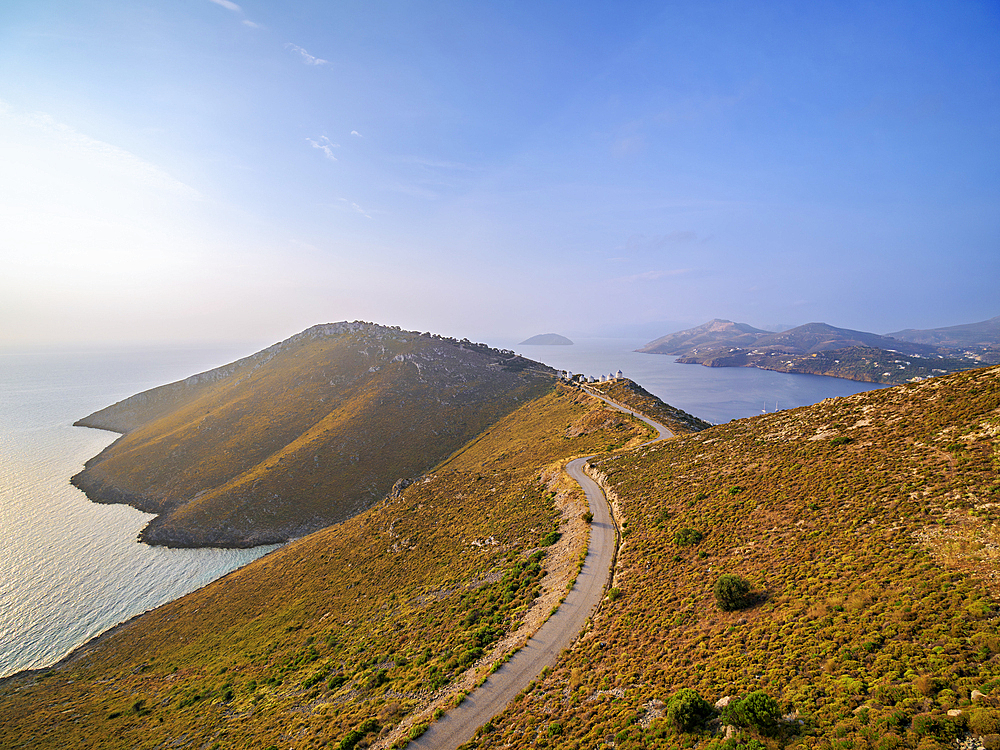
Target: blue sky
[(211, 170)]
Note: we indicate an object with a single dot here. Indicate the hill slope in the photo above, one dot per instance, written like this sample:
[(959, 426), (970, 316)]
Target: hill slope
[(867, 525), (547, 339), (983, 334), (714, 334), (353, 628), (301, 435), (815, 349)]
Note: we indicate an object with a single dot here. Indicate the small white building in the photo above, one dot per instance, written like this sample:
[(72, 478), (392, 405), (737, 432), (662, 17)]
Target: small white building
[(619, 375)]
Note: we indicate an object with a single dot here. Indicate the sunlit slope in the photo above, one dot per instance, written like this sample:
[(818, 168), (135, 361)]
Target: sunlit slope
[(357, 623), (631, 394), (868, 525), (304, 434)]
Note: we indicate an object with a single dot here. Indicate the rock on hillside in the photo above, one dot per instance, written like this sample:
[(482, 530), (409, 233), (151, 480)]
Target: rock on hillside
[(301, 435)]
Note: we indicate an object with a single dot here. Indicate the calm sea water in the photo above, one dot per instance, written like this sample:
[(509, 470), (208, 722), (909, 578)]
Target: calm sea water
[(717, 394), (70, 569)]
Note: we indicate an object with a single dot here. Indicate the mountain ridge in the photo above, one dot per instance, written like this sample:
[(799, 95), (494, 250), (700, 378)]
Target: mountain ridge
[(823, 349), (302, 434)]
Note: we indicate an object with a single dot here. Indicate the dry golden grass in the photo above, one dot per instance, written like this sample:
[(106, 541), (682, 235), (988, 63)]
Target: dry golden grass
[(368, 620)]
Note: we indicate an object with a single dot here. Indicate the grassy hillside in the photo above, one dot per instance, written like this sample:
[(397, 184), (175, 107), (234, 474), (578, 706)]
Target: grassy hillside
[(304, 434), (867, 528), (631, 394), (350, 629)]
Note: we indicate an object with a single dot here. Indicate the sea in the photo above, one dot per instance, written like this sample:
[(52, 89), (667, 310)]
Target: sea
[(71, 569)]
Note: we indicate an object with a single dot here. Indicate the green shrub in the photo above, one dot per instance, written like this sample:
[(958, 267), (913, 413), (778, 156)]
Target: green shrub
[(549, 539), (686, 537), (687, 710), (416, 731), (939, 726), (355, 736), (984, 721), (733, 592), (757, 711)]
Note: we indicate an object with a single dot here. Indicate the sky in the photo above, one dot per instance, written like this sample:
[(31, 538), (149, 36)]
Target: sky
[(208, 171)]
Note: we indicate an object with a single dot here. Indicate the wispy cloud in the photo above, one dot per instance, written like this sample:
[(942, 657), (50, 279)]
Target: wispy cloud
[(355, 132), (306, 57), (354, 207), (325, 145), (61, 135), (656, 275), (229, 5)]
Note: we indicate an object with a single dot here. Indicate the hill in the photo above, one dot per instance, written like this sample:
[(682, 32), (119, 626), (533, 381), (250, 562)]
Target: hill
[(714, 334), (816, 349), (631, 394), (866, 527), (985, 334), (355, 628), (303, 434), (547, 339)]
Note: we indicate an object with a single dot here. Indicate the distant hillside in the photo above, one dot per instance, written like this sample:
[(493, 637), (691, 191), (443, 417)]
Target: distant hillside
[(714, 334), (717, 335), (547, 339), (983, 334), (866, 527), (814, 348), (301, 435), (353, 629)]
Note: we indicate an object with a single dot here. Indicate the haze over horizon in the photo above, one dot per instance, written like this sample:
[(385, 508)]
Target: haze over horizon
[(207, 170)]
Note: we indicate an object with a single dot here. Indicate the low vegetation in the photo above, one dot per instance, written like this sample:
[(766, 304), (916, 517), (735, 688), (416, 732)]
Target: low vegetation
[(338, 638), (874, 561), (631, 394)]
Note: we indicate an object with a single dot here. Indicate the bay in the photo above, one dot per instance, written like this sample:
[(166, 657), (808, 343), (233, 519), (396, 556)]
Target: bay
[(70, 569), (716, 394)]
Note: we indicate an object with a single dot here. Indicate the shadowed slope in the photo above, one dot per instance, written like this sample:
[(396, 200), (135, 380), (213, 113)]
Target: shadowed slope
[(304, 434)]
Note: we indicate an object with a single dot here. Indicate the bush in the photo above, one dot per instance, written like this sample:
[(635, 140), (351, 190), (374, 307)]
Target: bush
[(355, 736), (757, 711), (687, 537), (984, 721), (687, 710), (733, 592), (549, 539)]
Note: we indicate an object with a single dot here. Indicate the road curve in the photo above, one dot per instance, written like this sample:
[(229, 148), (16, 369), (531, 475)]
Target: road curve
[(459, 724), (662, 433)]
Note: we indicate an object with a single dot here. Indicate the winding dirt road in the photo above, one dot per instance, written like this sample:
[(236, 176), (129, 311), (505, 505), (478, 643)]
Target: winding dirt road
[(459, 724)]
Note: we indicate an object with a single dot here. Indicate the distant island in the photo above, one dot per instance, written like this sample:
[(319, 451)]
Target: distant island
[(822, 349), (547, 339)]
